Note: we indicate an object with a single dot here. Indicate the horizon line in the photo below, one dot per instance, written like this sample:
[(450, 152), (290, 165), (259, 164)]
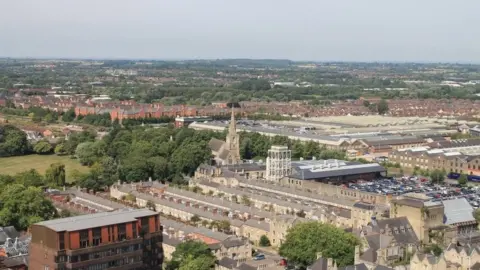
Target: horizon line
[(238, 58)]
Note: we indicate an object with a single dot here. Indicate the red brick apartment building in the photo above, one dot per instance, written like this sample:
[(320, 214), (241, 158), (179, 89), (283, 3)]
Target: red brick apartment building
[(118, 240)]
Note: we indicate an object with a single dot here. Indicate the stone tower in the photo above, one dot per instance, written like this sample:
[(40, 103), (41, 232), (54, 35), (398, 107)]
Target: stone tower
[(233, 141)]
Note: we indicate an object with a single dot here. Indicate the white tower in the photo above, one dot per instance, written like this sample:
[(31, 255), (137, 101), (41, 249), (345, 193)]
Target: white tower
[(279, 162)]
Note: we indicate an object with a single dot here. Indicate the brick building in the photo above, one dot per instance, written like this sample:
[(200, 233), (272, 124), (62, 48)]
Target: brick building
[(120, 240)]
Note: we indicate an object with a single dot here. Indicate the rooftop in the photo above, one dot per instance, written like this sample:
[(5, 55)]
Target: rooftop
[(314, 169), (458, 211), (96, 220)]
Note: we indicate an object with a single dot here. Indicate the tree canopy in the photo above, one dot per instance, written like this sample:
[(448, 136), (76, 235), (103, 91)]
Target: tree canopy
[(382, 107), (43, 147), (254, 85), (22, 206), (463, 180), (437, 176), (55, 175), (13, 141), (191, 254), (305, 240)]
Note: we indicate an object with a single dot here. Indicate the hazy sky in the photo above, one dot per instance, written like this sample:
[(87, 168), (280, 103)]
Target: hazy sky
[(322, 30)]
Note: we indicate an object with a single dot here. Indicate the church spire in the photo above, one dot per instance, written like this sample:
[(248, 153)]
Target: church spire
[(232, 141), (233, 124)]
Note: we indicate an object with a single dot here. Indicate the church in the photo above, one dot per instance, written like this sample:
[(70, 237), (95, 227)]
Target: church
[(227, 152)]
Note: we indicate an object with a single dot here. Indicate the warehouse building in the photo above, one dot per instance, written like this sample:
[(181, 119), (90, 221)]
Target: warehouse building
[(332, 171)]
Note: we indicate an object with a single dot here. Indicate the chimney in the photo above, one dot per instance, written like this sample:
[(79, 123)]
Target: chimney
[(357, 254), (329, 263)]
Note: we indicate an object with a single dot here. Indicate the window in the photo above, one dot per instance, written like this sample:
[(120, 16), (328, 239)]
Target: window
[(122, 232), (84, 239), (144, 224), (61, 259), (134, 230), (61, 240), (110, 233), (97, 236)]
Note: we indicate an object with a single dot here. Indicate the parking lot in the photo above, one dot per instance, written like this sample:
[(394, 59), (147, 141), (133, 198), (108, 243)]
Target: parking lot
[(399, 186)]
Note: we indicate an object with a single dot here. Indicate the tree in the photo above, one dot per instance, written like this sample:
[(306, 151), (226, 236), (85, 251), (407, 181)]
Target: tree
[(437, 176), (195, 219), (131, 198), (22, 206), (203, 262), (476, 213), (43, 148), (182, 257), (463, 180), (55, 175), (305, 240), (13, 141), (246, 200), (69, 115), (65, 213), (435, 249), (366, 103), (223, 226), (60, 149), (30, 178), (301, 213), (382, 107), (264, 241), (85, 152), (151, 205), (159, 167)]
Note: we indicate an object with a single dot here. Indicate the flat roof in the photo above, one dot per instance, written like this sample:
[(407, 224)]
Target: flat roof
[(314, 169), (458, 211), (96, 220)]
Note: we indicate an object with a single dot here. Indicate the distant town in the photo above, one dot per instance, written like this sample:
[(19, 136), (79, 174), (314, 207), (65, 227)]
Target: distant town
[(238, 165)]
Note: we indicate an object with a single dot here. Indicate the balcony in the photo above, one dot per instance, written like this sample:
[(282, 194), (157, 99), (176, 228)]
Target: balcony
[(106, 259), (105, 246)]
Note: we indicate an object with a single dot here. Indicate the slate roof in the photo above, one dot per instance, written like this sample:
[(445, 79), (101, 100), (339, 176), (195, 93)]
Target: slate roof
[(16, 261), (400, 227), (229, 243), (245, 266), (8, 232), (215, 144), (320, 264), (468, 248), (386, 141), (458, 211), (171, 241), (361, 266), (369, 255), (363, 205), (456, 143), (246, 167), (227, 262), (258, 224)]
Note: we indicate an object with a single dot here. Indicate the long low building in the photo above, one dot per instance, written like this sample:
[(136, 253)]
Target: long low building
[(334, 171), (364, 142), (460, 157)]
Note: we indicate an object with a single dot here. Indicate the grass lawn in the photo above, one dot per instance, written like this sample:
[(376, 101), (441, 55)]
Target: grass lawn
[(13, 165)]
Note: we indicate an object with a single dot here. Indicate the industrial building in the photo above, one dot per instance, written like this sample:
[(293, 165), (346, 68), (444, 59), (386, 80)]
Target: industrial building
[(335, 171), (455, 157)]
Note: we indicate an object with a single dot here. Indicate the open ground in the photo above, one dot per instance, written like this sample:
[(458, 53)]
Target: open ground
[(13, 165)]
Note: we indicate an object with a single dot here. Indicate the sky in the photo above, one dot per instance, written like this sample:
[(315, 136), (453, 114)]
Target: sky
[(310, 30)]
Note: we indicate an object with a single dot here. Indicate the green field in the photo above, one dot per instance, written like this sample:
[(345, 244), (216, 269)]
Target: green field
[(13, 165)]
